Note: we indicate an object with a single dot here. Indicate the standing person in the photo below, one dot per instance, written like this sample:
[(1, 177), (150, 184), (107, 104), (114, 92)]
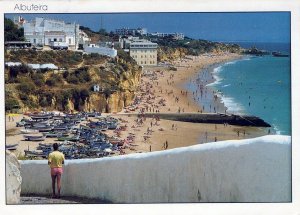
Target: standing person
[(56, 160)]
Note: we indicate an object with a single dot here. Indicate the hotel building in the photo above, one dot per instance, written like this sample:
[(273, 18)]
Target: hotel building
[(143, 52)]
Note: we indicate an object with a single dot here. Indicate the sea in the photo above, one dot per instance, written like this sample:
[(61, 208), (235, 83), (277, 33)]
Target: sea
[(258, 85)]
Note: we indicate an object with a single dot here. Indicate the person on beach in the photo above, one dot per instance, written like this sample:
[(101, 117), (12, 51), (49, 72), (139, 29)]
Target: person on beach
[(56, 160)]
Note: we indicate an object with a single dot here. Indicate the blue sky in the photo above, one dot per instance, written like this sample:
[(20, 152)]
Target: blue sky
[(229, 27)]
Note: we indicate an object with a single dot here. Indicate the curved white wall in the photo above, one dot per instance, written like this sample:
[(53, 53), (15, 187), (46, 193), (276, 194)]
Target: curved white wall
[(253, 170)]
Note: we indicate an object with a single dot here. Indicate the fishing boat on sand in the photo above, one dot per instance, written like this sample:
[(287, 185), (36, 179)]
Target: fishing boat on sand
[(40, 116), (34, 137), (29, 153), (11, 147), (29, 131)]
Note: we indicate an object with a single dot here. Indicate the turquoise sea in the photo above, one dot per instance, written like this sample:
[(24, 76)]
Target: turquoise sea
[(259, 86)]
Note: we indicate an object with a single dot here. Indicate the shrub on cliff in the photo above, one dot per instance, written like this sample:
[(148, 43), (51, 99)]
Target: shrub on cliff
[(125, 56), (38, 79), (11, 103), (66, 74), (27, 100), (54, 80), (94, 58), (72, 79), (80, 75), (45, 98), (14, 71), (83, 75), (26, 87)]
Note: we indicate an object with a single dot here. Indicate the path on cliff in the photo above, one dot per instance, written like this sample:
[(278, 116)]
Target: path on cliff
[(31, 199)]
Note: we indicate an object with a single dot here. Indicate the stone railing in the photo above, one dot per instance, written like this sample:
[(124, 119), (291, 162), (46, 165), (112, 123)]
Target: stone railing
[(252, 170)]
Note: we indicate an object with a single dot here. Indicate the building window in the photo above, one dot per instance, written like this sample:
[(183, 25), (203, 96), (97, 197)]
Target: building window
[(60, 40), (34, 40), (70, 41)]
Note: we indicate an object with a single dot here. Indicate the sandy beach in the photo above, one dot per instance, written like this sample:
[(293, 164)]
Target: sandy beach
[(163, 90)]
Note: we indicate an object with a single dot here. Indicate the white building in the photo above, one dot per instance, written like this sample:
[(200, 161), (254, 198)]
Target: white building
[(50, 66), (143, 52), (93, 48), (131, 31), (176, 36), (10, 64), (83, 38), (42, 31), (96, 88)]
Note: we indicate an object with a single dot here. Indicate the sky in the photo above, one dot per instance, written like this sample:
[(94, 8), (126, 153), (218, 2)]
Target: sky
[(225, 27)]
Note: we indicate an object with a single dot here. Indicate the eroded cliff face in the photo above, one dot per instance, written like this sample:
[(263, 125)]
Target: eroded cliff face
[(118, 81), (114, 103), (169, 54), (116, 100), (124, 88)]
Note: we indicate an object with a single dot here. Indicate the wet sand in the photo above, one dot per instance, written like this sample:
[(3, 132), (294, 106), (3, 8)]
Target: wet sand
[(163, 90)]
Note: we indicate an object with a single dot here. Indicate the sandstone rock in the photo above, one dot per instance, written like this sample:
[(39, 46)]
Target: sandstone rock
[(13, 179)]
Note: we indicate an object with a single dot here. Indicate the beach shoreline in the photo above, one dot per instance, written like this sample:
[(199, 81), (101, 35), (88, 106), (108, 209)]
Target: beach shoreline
[(163, 91)]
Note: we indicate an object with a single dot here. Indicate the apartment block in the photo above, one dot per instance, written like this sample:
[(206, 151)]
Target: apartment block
[(144, 52)]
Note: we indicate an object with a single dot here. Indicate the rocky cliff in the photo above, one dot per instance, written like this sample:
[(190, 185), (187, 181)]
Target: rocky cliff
[(173, 49), (72, 89)]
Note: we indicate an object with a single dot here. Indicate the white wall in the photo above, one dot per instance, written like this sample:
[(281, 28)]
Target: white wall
[(101, 50), (254, 170)]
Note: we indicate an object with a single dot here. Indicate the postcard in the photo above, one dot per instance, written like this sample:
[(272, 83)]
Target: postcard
[(150, 106)]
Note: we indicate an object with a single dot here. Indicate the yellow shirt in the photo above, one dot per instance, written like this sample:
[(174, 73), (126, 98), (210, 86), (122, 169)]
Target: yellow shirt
[(56, 159)]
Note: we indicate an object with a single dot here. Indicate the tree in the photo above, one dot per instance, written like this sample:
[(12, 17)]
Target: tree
[(12, 32), (14, 71)]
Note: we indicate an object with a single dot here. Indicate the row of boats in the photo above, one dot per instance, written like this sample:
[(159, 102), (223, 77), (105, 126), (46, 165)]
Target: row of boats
[(76, 140)]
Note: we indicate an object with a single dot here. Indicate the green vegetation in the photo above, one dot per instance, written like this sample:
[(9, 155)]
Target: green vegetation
[(38, 79), (11, 104), (170, 49), (62, 59), (12, 32), (124, 56), (15, 71), (26, 88), (54, 80), (80, 75), (67, 89)]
